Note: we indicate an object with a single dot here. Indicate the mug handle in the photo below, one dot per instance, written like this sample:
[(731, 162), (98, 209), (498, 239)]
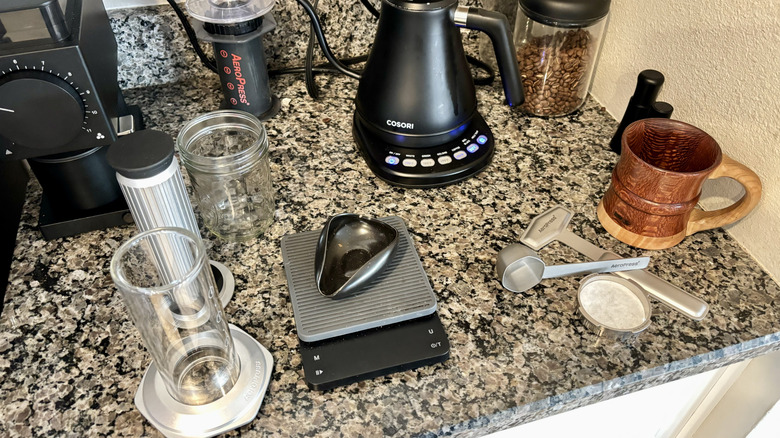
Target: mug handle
[(701, 220)]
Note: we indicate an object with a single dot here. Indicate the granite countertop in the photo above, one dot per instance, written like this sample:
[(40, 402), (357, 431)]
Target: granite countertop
[(72, 360)]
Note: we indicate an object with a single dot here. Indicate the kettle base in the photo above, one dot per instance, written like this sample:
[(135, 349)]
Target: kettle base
[(432, 166)]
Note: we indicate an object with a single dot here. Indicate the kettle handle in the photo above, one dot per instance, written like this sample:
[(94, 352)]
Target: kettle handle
[(496, 26)]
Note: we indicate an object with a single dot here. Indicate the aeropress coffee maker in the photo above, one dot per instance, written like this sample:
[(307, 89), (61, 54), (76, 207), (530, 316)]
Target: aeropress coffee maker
[(234, 28), (207, 377)]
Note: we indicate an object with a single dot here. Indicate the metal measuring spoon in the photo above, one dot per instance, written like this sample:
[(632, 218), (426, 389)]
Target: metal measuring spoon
[(551, 226), (520, 268)]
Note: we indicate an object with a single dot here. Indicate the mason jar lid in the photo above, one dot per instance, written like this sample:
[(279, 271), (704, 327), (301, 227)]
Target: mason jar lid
[(565, 13)]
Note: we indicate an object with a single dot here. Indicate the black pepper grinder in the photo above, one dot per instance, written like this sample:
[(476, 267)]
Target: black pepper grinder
[(235, 28), (642, 104)]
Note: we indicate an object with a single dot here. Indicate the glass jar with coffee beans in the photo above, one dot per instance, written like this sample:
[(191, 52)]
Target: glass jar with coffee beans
[(557, 45)]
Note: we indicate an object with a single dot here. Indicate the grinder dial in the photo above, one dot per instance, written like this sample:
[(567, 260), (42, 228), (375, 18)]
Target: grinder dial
[(39, 110)]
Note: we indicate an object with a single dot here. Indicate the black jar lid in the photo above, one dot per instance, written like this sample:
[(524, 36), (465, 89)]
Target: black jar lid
[(142, 154), (565, 13)]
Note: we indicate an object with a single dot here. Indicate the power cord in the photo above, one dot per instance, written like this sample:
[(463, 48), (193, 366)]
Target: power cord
[(317, 28), (311, 85), (211, 65)]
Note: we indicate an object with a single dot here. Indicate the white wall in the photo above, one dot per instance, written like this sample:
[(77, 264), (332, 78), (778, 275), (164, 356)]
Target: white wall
[(721, 59)]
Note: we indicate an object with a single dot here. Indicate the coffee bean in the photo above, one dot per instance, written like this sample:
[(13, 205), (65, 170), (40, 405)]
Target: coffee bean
[(554, 69)]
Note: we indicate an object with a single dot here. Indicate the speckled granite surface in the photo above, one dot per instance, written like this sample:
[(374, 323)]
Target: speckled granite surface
[(71, 359), (153, 47)]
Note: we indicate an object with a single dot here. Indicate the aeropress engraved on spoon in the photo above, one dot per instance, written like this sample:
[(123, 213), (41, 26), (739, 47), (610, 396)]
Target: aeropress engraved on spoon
[(520, 268)]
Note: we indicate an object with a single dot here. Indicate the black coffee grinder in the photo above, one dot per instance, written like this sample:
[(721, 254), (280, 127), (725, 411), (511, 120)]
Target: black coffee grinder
[(416, 120), (60, 105)]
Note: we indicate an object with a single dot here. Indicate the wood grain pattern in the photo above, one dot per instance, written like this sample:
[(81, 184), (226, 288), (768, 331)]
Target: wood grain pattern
[(705, 220), (651, 200)]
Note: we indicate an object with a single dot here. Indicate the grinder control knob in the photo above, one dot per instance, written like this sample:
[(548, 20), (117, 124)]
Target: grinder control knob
[(39, 110)]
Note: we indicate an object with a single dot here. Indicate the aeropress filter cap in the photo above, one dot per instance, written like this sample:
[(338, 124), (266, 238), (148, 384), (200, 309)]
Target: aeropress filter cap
[(228, 11), (613, 306)]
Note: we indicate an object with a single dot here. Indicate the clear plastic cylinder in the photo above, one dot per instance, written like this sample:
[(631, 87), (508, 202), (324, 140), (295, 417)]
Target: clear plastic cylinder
[(226, 155), (169, 291), (556, 61)]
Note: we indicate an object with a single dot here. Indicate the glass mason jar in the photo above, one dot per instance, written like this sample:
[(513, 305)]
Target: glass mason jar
[(557, 45), (226, 156)]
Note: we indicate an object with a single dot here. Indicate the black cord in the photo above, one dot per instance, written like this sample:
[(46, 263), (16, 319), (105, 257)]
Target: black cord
[(320, 68), (370, 8), (317, 27), (491, 75), (311, 85), (211, 65)]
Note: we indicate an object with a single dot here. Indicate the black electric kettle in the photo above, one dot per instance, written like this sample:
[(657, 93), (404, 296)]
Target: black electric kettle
[(416, 120)]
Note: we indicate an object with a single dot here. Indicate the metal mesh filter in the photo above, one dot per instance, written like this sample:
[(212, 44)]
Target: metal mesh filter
[(400, 293)]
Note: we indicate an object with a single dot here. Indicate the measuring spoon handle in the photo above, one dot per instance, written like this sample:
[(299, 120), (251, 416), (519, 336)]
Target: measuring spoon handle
[(660, 289), (598, 266)]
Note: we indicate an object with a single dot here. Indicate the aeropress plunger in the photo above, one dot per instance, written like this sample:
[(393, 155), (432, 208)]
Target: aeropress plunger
[(150, 178), (234, 28)]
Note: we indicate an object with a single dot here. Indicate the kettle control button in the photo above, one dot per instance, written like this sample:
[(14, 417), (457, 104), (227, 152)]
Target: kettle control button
[(473, 147), (391, 160), (482, 139), (460, 155), (410, 162), (445, 159), (427, 162)]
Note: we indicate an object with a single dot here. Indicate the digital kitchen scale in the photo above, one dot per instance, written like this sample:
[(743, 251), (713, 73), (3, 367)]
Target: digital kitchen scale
[(374, 353), (390, 327)]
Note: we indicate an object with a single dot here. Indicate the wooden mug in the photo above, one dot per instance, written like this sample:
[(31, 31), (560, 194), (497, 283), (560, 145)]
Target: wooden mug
[(651, 201)]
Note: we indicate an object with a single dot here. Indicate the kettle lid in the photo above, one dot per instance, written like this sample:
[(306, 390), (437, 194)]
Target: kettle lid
[(422, 5), (565, 13)]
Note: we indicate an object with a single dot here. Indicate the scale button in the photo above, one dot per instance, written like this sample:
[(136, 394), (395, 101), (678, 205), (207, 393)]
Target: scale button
[(473, 147), (391, 160), (410, 162), (460, 155), (427, 162), (482, 139), (445, 159)]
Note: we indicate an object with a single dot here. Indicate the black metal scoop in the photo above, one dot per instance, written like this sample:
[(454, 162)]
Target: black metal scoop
[(350, 251)]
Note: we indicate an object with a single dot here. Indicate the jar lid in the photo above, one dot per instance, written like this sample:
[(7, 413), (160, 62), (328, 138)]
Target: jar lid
[(142, 154), (565, 12)]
